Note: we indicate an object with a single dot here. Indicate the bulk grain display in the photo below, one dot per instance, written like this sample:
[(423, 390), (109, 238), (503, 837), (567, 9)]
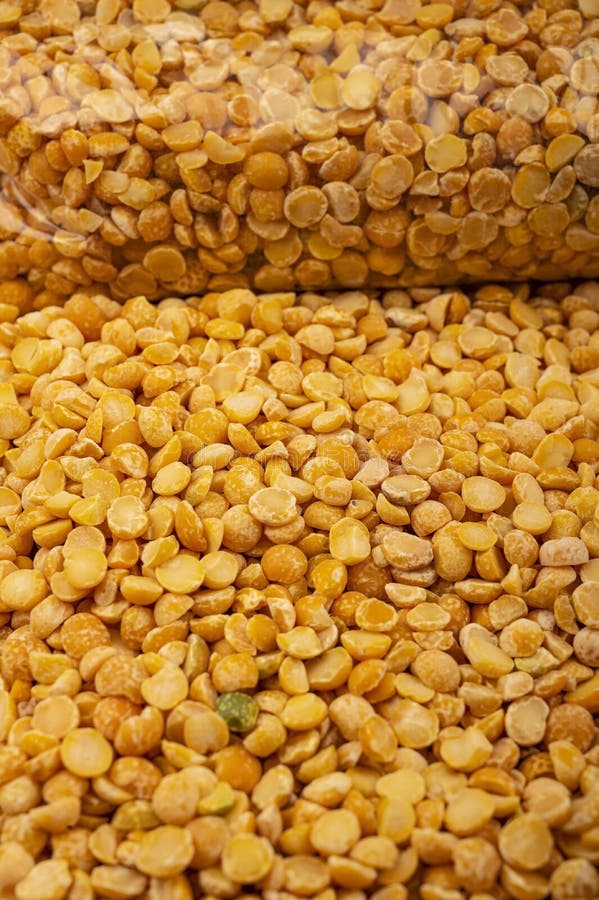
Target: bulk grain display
[(299, 596), (299, 589), (172, 148)]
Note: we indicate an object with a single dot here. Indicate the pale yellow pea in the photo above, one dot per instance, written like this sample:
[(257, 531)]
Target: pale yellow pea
[(85, 568), (526, 842), (182, 574), (172, 479), (349, 541), (56, 715), (361, 88), (532, 517), (476, 536), (403, 783), (244, 406), (445, 152), (467, 751), (165, 852), (336, 831), (468, 811), (273, 506), (482, 495), (247, 858), (220, 569), (23, 589), (166, 688), (127, 518), (304, 711), (86, 753)]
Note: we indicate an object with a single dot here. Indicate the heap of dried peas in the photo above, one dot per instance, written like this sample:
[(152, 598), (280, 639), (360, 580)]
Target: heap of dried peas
[(299, 596), (167, 149)]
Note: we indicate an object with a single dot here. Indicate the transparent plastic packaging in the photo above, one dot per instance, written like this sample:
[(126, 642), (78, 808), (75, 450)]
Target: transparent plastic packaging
[(164, 148)]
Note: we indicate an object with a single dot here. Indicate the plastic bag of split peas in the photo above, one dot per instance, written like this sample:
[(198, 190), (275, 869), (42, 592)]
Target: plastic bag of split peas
[(168, 148)]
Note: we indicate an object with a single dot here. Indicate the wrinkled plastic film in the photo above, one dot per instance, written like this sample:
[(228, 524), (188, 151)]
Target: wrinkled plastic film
[(171, 148)]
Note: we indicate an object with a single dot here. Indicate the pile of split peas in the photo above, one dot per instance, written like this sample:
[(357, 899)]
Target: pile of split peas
[(172, 148), (299, 595), (299, 590)]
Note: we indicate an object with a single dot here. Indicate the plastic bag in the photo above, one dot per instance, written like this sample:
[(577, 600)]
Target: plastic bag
[(170, 148)]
